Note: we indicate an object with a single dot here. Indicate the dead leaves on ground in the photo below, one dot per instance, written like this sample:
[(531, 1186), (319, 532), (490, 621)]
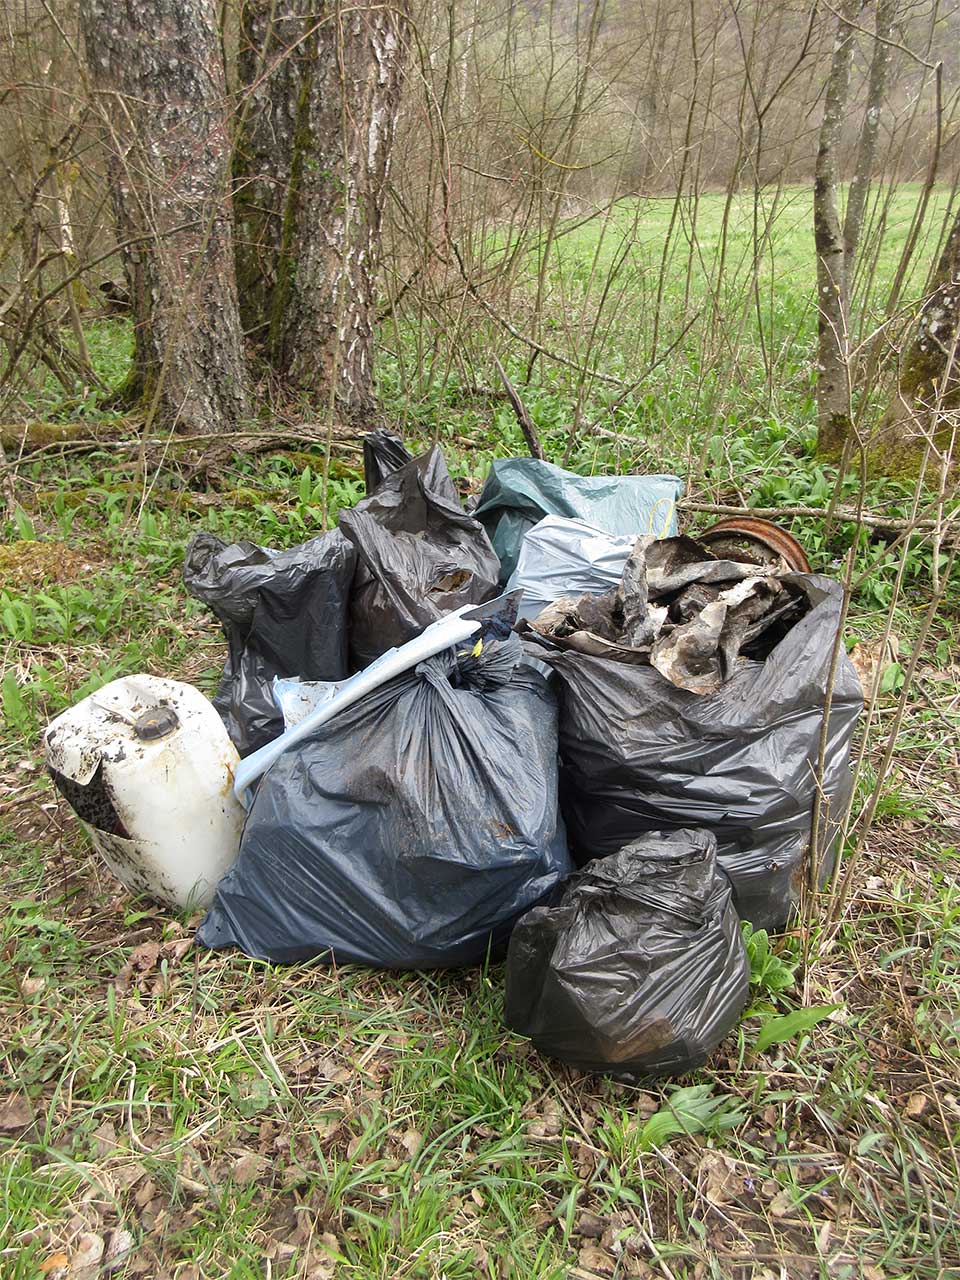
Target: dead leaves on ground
[(871, 659), (148, 966), (91, 1255), (16, 1114)]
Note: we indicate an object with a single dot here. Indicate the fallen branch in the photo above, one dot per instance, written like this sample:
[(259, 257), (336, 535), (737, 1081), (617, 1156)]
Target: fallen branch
[(523, 417), (74, 437), (816, 513), (28, 437)]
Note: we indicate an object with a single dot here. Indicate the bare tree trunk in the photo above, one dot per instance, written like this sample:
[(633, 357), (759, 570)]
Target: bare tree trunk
[(867, 145), (652, 99), (269, 70), (157, 72), (928, 394), (323, 306), (833, 393)]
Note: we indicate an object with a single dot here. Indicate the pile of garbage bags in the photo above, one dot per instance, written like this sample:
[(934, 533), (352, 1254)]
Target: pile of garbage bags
[(654, 718), (419, 556), (519, 492), (283, 613), (562, 557), (404, 836)]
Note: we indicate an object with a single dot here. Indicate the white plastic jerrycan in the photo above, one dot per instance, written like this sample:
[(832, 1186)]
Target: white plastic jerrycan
[(147, 765)]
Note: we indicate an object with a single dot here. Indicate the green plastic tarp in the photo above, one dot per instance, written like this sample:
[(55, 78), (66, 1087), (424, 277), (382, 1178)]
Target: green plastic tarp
[(518, 492)]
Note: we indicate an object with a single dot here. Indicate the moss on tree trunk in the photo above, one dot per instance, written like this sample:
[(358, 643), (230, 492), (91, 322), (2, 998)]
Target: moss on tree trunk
[(928, 390)]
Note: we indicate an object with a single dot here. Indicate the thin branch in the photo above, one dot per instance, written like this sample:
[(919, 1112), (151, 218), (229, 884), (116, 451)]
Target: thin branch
[(523, 417), (843, 514)]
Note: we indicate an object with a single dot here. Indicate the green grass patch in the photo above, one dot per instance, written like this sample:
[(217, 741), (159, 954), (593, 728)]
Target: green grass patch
[(206, 1115)]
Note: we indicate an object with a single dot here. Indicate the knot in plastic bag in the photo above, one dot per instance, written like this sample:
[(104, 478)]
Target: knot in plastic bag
[(474, 665)]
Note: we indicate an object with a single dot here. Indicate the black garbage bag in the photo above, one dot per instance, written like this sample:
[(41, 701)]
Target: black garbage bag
[(639, 754), (639, 969), (412, 830), (420, 556), (383, 453), (284, 613)]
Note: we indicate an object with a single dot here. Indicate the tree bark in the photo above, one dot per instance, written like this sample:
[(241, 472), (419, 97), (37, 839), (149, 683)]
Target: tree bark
[(270, 61), (157, 72), (869, 133), (323, 305), (927, 404), (833, 392)]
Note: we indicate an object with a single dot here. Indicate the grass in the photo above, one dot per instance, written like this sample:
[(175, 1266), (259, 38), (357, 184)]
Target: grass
[(206, 1115)]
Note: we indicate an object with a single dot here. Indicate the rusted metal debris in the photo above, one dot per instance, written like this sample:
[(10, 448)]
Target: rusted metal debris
[(750, 537)]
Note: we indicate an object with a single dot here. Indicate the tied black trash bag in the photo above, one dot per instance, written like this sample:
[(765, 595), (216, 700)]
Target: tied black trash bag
[(639, 754), (412, 830), (420, 556), (639, 969), (284, 613)]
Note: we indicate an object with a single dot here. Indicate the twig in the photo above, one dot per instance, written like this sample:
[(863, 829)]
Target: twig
[(816, 513), (523, 417), (665, 354), (7, 486), (514, 332)]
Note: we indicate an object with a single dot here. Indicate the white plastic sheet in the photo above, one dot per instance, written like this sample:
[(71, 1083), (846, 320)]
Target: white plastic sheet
[(564, 557)]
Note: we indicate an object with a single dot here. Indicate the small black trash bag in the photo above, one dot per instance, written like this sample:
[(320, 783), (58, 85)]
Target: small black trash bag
[(420, 556), (412, 830), (639, 969), (284, 613), (640, 754)]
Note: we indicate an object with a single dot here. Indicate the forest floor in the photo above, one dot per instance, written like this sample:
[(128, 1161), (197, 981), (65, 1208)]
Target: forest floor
[(170, 1112)]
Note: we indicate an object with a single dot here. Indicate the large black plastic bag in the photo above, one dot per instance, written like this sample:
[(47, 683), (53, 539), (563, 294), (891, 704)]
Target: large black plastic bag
[(639, 970), (412, 830), (420, 556), (284, 613), (640, 754), (519, 492)]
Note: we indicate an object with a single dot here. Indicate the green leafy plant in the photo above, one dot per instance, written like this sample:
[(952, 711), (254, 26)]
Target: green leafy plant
[(778, 1030), (694, 1109), (25, 527), (16, 712), (772, 972)]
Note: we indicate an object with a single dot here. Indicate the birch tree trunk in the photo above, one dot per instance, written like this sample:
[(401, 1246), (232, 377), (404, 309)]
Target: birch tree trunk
[(833, 391), (157, 73), (321, 336), (867, 145)]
